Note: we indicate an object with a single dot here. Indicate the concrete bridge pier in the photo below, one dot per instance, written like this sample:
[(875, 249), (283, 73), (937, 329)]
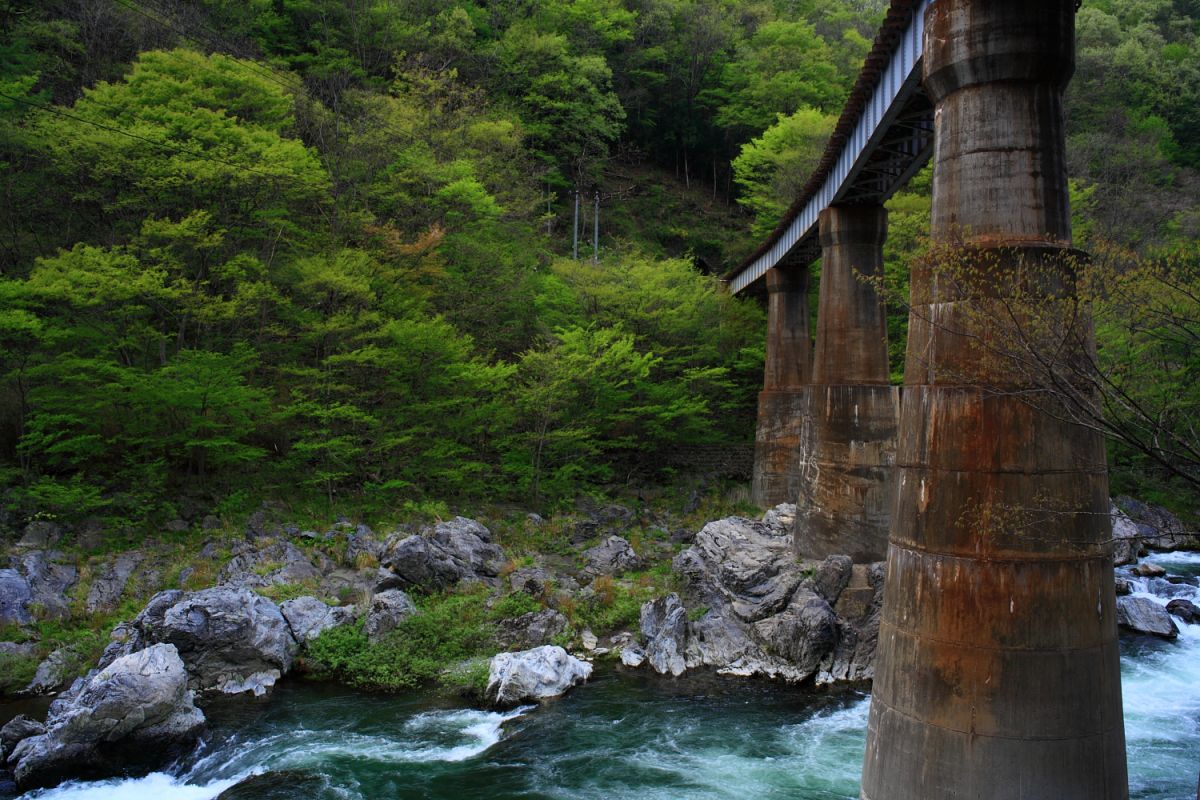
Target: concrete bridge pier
[(997, 672), (847, 452), (783, 401)]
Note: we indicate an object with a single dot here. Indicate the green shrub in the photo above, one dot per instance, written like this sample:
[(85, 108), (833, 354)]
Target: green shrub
[(514, 605), (449, 629), (16, 671)]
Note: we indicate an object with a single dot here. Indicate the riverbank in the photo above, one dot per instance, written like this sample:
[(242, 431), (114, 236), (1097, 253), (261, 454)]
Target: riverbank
[(625, 734), (737, 578)]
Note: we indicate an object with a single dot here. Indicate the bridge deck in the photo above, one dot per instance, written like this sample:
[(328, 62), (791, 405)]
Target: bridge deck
[(883, 137)]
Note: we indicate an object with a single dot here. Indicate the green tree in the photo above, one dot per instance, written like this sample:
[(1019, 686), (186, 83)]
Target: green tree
[(773, 168)]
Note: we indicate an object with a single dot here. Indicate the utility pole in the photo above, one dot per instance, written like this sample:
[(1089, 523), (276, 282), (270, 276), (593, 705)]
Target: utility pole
[(596, 231)]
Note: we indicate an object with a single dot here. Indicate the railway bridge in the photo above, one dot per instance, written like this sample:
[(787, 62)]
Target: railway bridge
[(997, 672)]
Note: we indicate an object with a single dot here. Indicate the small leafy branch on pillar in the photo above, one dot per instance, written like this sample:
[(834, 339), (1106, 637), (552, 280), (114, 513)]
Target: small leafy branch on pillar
[(1028, 314)]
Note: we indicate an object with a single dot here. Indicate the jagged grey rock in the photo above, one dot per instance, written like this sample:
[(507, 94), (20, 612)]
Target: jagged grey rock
[(803, 634), (110, 582), (139, 704), (613, 556), (268, 565), (532, 629), (438, 558), (664, 631), (633, 655), (231, 639), (1186, 610), (1127, 542), (388, 609), (1142, 615), (50, 579), (418, 564), (308, 617), (536, 674), (469, 543), (757, 611)]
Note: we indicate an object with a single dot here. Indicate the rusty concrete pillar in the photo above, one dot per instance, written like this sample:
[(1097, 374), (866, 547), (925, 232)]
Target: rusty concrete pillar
[(997, 672), (848, 440), (784, 398)]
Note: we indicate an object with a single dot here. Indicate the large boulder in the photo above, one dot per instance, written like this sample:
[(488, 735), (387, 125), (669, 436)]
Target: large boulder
[(469, 543), (1143, 615), (536, 674), (231, 639), (440, 557), (139, 706), (308, 617), (613, 556), (756, 610), (749, 565), (532, 629), (388, 609)]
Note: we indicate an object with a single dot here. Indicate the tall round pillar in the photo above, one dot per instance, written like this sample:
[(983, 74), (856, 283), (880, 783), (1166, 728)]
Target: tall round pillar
[(997, 672), (848, 440), (783, 400)]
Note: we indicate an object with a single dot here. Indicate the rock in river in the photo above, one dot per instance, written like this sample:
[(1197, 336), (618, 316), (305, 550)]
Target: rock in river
[(137, 707), (536, 674), (1142, 615)]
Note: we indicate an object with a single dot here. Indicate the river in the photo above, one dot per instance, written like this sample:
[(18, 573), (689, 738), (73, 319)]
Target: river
[(623, 735)]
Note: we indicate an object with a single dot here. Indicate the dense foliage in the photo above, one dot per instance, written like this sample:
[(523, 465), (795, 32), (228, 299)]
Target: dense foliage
[(324, 247)]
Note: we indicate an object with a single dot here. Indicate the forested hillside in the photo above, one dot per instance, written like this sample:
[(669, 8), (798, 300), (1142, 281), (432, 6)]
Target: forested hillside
[(324, 247)]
